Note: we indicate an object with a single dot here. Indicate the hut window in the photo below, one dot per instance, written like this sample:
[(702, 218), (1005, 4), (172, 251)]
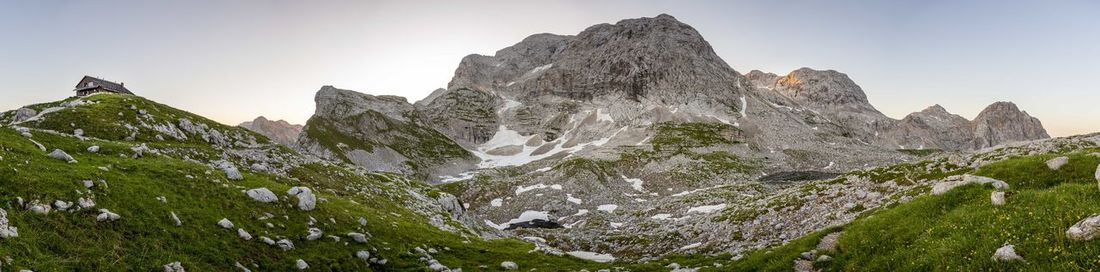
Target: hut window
[(90, 84)]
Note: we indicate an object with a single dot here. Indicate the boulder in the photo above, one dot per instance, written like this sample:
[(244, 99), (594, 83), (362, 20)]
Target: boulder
[(174, 267), (244, 234), (23, 114), (358, 237), (6, 230), (78, 132), (262, 195), (302, 265), (285, 244), (306, 200), (1097, 175), (508, 265), (998, 198), (225, 223), (85, 203), (267, 241), (105, 215), (1006, 253), (93, 149), (58, 154), (363, 255), (1086, 229), (1057, 163), (314, 234)]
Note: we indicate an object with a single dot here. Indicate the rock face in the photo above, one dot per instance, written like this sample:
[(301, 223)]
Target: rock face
[(382, 133), (932, 128), (1003, 122), (278, 131)]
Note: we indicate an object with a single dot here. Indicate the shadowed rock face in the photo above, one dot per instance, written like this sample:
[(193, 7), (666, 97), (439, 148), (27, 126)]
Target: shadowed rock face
[(381, 133), (280, 131)]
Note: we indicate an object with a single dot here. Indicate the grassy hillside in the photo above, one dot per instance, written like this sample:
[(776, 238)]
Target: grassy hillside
[(398, 211), (961, 229)]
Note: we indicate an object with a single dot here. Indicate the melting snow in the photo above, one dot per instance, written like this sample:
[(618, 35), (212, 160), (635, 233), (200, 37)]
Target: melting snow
[(707, 208), (662, 216), (526, 216), (509, 104), (691, 246), (522, 189), (540, 69), (829, 166), (616, 225), (592, 256), (570, 198), (610, 208), (744, 106), (634, 182), (684, 193), (603, 116), (507, 137), (496, 202), (544, 169)]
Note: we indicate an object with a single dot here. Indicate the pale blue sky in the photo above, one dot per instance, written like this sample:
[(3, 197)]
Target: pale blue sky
[(234, 60)]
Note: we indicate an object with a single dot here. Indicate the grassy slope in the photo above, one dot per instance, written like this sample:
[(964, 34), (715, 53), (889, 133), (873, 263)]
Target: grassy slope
[(960, 230), (145, 238)]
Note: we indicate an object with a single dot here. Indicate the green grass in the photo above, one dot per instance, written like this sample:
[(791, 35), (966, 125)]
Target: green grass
[(960, 230), (145, 238), (671, 136)]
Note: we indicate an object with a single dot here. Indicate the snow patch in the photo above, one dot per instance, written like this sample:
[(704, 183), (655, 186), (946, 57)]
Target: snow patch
[(592, 256), (609, 208), (522, 189), (707, 208), (496, 202), (574, 200), (635, 183)]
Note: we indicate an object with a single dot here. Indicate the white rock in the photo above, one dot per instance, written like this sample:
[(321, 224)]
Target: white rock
[(314, 234), (88, 183), (225, 223), (1086, 229), (58, 154), (267, 241), (62, 205), (1097, 175), (105, 215), (176, 219), (174, 267), (358, 237), (244, 234), (262, 195), (162, 199), (363, 255), (39, 208), (85, 202), (362, 221), (93, 149), (6, 230), (78, 132), (1057, 163), (1006, 253), (285, 244), (302, 265), (306, 200), (998, 198), (508, 265)]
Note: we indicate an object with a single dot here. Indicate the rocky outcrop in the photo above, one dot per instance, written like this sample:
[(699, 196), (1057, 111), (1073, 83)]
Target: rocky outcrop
[(380, 133), (280, 131)]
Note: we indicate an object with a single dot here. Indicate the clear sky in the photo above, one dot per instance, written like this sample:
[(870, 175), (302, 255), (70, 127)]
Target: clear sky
[(235, 60)]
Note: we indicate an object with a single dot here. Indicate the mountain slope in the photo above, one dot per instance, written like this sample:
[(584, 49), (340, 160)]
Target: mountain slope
[(148, 174)]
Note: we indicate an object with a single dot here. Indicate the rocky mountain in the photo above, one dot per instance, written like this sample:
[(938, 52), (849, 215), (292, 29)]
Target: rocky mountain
[(379, 133), (1003, 122), (278, 131), (835, 97), (635, 138)]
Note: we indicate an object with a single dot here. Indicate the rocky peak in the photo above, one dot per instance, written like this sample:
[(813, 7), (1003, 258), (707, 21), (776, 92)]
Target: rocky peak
[(821, 88), (338, 103), (1003, 122), (762, 79), (279, 131)]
